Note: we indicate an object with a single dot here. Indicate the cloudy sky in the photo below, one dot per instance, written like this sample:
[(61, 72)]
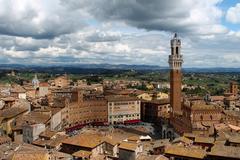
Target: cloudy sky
[(119, 31)]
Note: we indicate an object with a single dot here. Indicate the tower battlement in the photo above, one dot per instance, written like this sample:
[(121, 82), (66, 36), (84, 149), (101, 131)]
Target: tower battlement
[(175, 59)]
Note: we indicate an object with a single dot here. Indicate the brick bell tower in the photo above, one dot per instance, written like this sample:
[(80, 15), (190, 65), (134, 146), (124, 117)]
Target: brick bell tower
[(175, 63)]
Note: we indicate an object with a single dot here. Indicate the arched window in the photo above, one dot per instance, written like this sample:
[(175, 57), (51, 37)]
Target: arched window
[(172, 50), (211, 117), (169, 134), (201, 117), (177, 50)]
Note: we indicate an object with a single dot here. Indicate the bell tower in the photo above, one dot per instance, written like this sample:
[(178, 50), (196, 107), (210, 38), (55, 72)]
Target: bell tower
[(175, 63)]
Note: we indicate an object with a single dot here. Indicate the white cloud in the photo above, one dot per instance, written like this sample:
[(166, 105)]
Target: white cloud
[(51, 52), (102, 36), (110, 48), (15, 54), (120, 31), (233, 14)]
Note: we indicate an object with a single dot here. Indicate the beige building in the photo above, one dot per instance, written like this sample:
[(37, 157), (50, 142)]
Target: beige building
[(30, 91), (88, 109), (9, 115), (18, 92), (129, 151), (92, 87), (62, 81), (56, 118), (123, 109), (43, 89)]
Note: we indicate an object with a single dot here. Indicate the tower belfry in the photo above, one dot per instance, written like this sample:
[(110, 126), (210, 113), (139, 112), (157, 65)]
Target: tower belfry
[(175, 63)]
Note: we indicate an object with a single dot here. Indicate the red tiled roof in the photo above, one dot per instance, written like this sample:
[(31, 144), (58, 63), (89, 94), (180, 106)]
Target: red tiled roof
[(43, 84)]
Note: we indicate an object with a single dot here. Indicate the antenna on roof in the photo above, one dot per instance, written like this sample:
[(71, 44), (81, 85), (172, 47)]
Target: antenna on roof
[(175, 35)]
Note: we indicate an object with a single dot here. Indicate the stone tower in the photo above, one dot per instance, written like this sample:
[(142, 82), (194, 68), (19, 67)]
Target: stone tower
[(175, 63), (234, 88)]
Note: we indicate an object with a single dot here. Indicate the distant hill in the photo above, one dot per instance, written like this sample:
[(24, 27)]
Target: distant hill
[(80, 66), (212, 70), (105, 68)]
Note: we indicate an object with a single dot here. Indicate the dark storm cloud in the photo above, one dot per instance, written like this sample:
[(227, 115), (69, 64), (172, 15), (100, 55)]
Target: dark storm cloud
[(47, 30), (42, 19), (150, 15), (39, 19), (186, 16)]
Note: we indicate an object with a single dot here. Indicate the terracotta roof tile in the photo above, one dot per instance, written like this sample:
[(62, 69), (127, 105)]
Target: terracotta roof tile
[(185, 152), (4, 139), (128, 146), (234, 139), (183, 139), (121, 98), (84, 140), (225, 151), (48, 134), (31, 156), (12, 112), (151, 157), (18, 89), (209, 140), (82, 154), (161, 143)]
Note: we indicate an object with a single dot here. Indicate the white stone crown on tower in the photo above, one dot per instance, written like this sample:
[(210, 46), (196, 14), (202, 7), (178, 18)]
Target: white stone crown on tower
[(175, 59)]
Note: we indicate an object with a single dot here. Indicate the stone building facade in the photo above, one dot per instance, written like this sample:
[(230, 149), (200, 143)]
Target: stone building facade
[(123, 109), (88, 109), (31, 132), (62, 81), (198, 117), (234, 88), (155, 110), (43, 89)]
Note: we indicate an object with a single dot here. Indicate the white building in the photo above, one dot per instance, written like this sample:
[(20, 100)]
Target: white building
[(32, 132), (123, 109), (56, 119)]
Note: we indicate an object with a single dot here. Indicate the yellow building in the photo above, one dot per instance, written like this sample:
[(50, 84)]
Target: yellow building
[(151, 96), (145, 96), (162, 95), (150, 86)]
